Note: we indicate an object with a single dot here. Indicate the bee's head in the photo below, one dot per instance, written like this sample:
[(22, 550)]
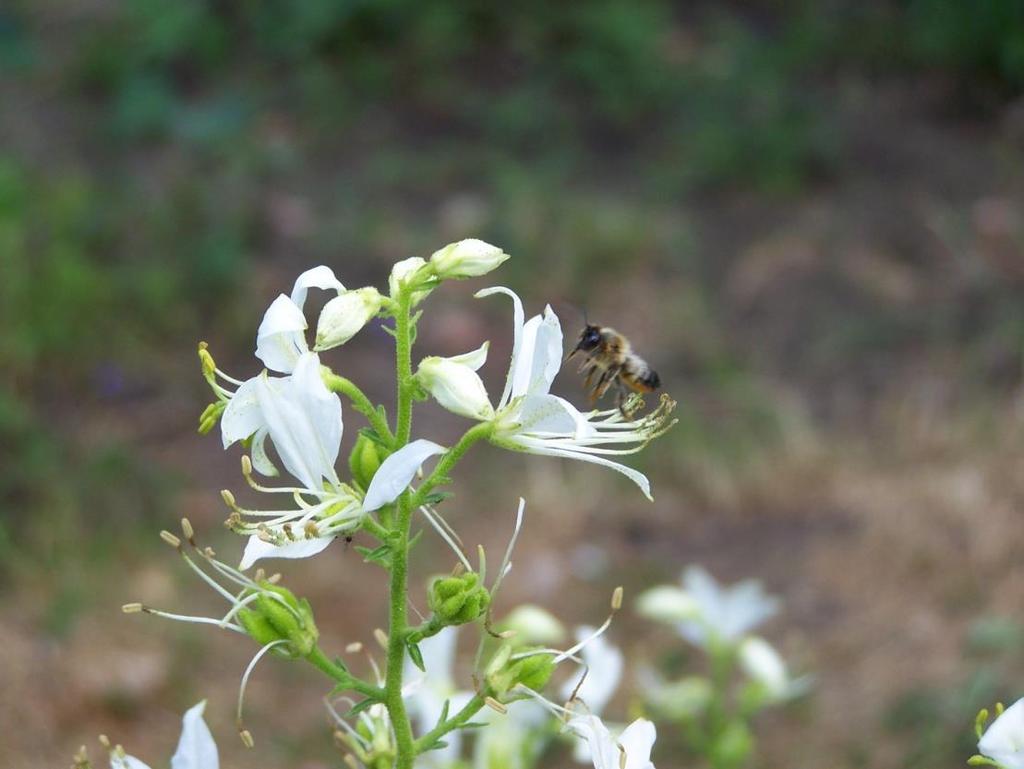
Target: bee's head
[(590, 338)]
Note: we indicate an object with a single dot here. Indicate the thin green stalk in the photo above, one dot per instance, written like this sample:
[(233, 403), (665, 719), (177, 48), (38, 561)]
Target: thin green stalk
[(403, 369), (321, 661), (360, 403), (450, 458), (461, 718)]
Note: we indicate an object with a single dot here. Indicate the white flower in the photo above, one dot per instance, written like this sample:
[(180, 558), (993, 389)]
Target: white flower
[(281, 338), (469, 258), (427, 692), (1003, 741), (667, 603), (630, 750), (196, 748), (533, 625), (723, 614), (455, 386), (529, 418), (511, 740), (764, 665)]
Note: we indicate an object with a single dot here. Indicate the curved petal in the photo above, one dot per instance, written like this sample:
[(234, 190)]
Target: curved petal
[(281, 339), (456, 387), (551, 414), (539, 447), (517, 335), (396, 473), (637, 741), (196, 748), (317, 277), (242, 416), (473, 359), (304, 421), (603, 751), (256, 548), (258, 450)]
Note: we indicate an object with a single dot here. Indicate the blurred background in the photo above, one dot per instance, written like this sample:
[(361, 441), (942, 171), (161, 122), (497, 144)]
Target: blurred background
[(806, 216)]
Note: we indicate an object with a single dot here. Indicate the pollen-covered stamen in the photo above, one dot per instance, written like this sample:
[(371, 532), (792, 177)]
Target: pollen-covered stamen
[(211, 373), (247, 473)]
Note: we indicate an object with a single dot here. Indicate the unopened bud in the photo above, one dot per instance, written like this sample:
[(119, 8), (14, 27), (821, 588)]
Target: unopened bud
[(410, 273), (459, 599), (344, 316), (469, 258), (454, 383), (365, 459), (277, 615), (533, 672)]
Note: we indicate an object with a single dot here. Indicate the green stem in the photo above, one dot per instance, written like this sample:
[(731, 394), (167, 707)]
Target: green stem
[(461, 718), (360, 403), (398, 588), (403, 369), (321, 661), (450, 458)]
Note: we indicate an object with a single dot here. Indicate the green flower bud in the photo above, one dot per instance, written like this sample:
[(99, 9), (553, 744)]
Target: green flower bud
[(277, 615), (459, 599), (504, 672), (212, 413), (365, 459)]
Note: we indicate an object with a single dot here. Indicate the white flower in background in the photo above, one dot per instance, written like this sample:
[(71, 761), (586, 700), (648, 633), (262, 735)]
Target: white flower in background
[(427, 692), (1003, 741), (677, 700), (722, 614), (469, 258), (533, 625), (600, 678), (765, 666), (511, 740), (345, 315), (196, 748), (630, 750), (597, 682), (528, 417)]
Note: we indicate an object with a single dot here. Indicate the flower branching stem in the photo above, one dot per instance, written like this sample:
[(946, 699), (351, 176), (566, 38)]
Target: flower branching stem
[(460, 719), (362, 404), (344, 679)]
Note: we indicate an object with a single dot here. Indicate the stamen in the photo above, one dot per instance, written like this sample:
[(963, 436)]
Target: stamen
[(189, 618), (245, 680), (170, 539), (494, 705), (507, 561), (354, 648), (429, 515), (381, 638), (617, 598), (247, 739), (186, 529), (585, 641), (132, 608)]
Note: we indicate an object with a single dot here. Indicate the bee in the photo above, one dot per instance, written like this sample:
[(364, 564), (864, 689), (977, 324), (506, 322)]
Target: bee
[(610, 360)]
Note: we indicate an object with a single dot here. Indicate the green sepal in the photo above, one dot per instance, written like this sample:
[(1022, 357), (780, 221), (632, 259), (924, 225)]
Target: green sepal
[(416, 656), (437, 497), (361, 706), (380, 555)]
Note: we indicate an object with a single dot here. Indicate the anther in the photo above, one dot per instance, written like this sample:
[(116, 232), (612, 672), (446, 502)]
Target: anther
[(186, 529), (104, 741), (494, 705), (354, 648), (132, 608), (381, 638), (622, 756), (459, 569), (229, 498), (273, 579), (170, 539), (247, 739), (310, 530), (246, 465), (617, 598)]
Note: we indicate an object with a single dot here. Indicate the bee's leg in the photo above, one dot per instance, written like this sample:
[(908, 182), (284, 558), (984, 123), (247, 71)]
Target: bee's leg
[(610, 376), (590, 376), (598, 389), (621, 396)]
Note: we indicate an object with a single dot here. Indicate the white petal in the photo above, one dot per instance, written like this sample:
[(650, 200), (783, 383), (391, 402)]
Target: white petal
[(281, 339), (473, 359), (517, 336), (258, 450), (196, 748), (1003, 741), (637, 741), (667, 604), (603, 751), (318, 277), (539, 447), (551, 414), (128, 762), (540, 355), (765, 665), (256, 548), (304, 421), (396, 473), (242, 416), (469, 258)]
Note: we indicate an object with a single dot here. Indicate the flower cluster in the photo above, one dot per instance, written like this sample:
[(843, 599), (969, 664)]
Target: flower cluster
[(288, 419)]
